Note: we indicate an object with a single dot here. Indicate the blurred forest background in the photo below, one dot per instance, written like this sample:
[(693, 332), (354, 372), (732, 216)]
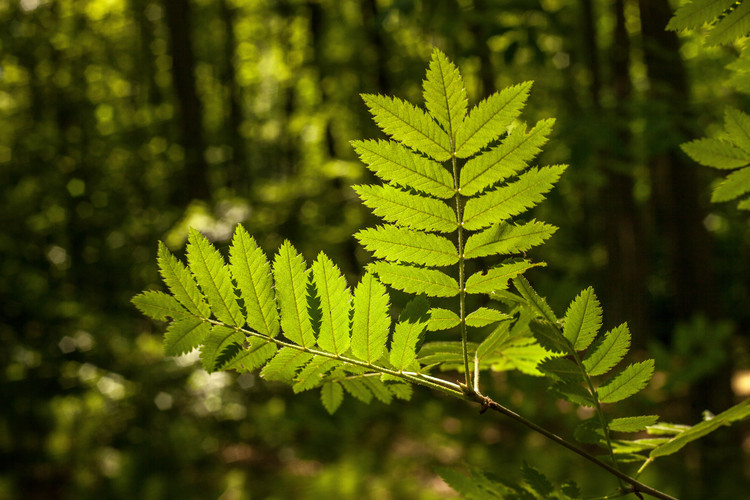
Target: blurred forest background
[(123, 122)]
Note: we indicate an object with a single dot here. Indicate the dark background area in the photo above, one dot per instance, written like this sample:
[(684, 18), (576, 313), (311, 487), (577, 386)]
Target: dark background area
[(124, 122)]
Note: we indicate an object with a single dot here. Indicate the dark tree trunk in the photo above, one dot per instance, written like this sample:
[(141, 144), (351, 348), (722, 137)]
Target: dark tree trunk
[(238, 171), (679, 218), (193, 182), (625, 295), (371, 16)]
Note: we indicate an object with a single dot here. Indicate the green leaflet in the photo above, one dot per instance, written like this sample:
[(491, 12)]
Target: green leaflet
[(716, 153), (407, 333), (371, 320), (442, 319), (444, 352), (252, 272), (512, 199), (283, 367), (537, 303), (737, 125), (505, 160), (485, 316), (252, 357), (357, 388), (213, 276), (506, 239), (490, 118), (444, 93), (405, 245), (392, 162), (335, 303), (697, 13), (562, 369), (290, 275), (735, 184), (608, 351), (184, 335), (410, 125), (158, 305), (583, 320), (415, 279), (626, 383), (632, 424), (408, 210), (498, 277), (379, 389), (731, 27), (217, 347), (312, 374), (737, 412), (331, 395), (181, 283)]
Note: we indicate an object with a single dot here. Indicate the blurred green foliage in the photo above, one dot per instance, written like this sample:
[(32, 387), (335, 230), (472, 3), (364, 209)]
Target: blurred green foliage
[(104, 150)]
